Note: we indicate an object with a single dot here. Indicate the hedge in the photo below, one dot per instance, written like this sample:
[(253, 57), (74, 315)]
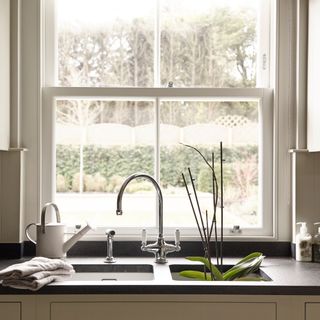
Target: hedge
[(107, 167)]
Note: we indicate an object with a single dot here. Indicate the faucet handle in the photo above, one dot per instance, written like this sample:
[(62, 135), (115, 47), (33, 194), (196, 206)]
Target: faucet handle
[(144, 237), (177, 237)]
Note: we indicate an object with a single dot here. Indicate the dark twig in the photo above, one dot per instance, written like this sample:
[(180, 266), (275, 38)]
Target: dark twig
[(214, 200), (198, 204), (221, 202), (208, 245), (202, 156), (193, 210), (204, 230)]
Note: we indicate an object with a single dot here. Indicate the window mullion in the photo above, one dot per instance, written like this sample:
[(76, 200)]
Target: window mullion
[(157, 39), (157, 150)]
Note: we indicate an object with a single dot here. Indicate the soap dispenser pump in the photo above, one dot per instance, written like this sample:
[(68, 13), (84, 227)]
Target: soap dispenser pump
[(303, 243), (316, 244)]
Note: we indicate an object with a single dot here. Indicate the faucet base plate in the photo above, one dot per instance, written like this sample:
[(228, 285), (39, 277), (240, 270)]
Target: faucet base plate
[(110, 260)]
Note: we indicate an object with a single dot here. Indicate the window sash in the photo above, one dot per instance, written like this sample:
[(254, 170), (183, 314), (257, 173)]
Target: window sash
[(264, 96), (264, 52)]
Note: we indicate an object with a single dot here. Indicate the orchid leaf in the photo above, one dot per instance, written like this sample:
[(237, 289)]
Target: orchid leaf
[(250, 278), (195, 275), (241, 269), (215, 271), (250, 256)]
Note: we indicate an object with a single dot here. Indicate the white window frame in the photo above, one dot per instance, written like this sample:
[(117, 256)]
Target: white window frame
[(263, 96)]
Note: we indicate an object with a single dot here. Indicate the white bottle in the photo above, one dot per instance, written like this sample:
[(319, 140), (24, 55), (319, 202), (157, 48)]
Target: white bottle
[(303, 243)]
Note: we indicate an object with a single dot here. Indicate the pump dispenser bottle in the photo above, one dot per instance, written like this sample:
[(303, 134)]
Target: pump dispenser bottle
[(303, 243), (316, 244)]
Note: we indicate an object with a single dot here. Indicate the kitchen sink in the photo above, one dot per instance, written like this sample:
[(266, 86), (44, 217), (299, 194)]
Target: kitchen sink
[(176, 268), (112, 272)]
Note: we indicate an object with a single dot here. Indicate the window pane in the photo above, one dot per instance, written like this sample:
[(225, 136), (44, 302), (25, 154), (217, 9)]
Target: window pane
[(209, 42), (105, 43), (203, 124), (212, 43), (98, 144)]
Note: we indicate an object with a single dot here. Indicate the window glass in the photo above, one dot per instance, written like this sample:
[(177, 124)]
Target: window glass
[(98, 144), (203, 124), (202, 43), (209, 43), (105, 43), (138, 45)]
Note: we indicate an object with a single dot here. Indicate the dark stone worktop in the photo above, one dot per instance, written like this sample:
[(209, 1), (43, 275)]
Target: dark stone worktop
[(289, 277)]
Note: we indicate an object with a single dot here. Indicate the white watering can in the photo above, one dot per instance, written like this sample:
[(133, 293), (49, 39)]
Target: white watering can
[(50, 237)]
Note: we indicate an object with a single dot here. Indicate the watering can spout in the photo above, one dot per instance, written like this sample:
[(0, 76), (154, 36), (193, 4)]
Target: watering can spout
[(76, 237)]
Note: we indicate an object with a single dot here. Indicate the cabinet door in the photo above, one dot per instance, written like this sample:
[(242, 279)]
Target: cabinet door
[(312, 311), (162, 310), (10, 311)]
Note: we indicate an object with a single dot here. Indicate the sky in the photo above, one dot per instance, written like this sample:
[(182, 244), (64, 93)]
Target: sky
[(103, 11)]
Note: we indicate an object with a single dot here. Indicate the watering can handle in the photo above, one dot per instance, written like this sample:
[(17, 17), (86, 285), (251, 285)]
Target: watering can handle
[(27, 233), (43, 215)]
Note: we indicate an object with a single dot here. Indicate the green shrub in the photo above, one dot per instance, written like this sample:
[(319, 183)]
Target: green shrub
[(75, 187), (88, 183), (106, 168), (136, 186), (100, 182), (61, 183), (114, 183), (205, 180)]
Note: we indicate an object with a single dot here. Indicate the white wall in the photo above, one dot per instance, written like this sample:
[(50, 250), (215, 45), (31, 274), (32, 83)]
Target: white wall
[(31, 131), (306, 190), (4, 74)]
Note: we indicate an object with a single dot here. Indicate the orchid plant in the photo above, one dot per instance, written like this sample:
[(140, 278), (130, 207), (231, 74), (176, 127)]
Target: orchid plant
[(245, 269)]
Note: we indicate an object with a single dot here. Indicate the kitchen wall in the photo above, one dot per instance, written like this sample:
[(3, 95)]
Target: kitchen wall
[(18, 169), (11, 196), (4, 73), (306, 189)]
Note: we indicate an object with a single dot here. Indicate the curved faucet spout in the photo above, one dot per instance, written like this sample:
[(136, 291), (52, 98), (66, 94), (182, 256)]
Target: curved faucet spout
[(160, 248), (159, 195)]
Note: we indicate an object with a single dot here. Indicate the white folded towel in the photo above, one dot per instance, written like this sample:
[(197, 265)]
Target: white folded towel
[(37, 280), (32, 266), (36, 273)]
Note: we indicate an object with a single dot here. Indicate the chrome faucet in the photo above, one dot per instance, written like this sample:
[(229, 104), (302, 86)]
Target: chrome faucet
[(160, 248), (110, 234)]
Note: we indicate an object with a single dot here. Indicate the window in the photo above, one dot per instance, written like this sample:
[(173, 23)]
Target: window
[(128, 82)]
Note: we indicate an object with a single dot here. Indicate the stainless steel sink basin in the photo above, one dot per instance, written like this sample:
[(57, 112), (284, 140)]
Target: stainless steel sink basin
[(112, 272), (176, 268)]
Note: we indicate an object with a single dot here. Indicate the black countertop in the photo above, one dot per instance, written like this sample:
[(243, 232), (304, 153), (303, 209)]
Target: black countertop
[(289, 277)]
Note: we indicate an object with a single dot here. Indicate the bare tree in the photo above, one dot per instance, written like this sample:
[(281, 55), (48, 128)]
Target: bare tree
[(81, 113)]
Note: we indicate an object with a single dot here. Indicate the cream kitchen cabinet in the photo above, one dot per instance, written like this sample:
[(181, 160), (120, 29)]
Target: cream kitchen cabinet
[(312, 311), (14, 307), (158, 306), (155, 307), (162, 310), (10, 310)]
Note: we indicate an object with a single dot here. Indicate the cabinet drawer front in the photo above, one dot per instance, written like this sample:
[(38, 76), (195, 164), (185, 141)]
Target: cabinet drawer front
[(162, 310), (10, 310), (312, 311)]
